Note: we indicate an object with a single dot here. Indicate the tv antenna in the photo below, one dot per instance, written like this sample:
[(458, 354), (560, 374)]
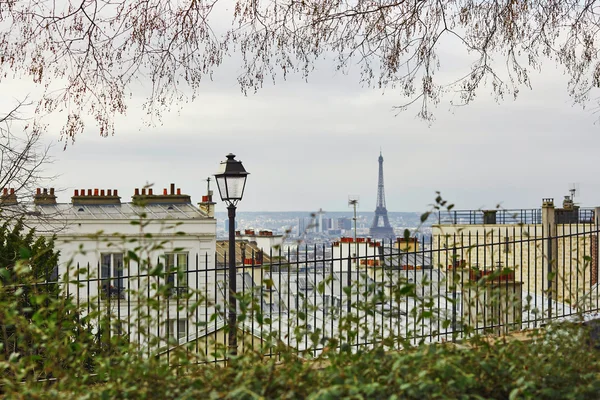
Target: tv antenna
[(353, 202), (574, 190)]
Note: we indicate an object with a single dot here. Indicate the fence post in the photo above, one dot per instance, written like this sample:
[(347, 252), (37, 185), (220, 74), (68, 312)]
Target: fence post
[(349, 281), (549, 233), (455, 272), (595, 267)]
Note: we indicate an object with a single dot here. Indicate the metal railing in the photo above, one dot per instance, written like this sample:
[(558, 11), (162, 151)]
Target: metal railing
[(446, 289), (509, 217)]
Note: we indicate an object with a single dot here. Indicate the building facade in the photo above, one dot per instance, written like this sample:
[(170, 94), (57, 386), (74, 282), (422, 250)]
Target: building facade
[(116, 255), (549, 250)]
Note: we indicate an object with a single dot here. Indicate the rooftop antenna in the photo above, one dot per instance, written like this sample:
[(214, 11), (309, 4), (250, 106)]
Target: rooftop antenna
[(353, 202), (574, 190), (209, 192)]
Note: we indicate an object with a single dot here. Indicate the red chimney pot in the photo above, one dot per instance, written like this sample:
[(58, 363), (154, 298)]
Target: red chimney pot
[(137, 192), (143, 191), (95, 192), (12, 191), (109, 192), (115, 192), (165, 192), (89, 192), (178, 191), (150, 191), (38, 191), (76, 193), (102, 192)]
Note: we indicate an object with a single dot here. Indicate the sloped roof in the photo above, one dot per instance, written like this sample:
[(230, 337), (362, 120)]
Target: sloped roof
[(123, 211), (247, 248)]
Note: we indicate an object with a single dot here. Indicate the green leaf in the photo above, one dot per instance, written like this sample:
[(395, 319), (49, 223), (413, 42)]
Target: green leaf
[(24, 253)]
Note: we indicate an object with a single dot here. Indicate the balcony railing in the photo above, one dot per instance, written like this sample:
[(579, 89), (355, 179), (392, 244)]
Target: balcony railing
[(510, 217)]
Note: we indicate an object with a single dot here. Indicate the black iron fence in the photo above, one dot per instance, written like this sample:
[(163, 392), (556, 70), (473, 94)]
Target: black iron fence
[(508, 217), (348, 294)]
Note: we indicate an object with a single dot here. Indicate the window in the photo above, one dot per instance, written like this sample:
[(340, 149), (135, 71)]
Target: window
[(176, 266), (177, 328), (111, 274)]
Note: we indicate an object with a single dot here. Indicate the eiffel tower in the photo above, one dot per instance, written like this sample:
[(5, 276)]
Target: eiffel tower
[(386, 231)]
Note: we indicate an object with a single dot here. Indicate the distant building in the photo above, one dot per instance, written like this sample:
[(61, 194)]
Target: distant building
[(534, 244), (306, 225), (368, 253), (327, 224), (344, 223), (265, 239)]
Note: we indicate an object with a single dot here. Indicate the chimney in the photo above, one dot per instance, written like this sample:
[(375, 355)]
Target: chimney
[(43, 198), (174, 197), (8, 198), (98, 198), (208, 206)]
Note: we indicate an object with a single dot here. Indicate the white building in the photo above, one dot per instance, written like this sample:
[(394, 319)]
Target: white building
[(264, 239), (114, 255), (364, 252)]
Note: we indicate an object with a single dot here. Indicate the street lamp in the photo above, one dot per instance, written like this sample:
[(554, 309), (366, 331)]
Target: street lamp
[(231, 181)]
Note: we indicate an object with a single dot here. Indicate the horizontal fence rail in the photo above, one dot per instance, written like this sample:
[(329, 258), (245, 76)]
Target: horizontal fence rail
[(506, 217), (362, 294)]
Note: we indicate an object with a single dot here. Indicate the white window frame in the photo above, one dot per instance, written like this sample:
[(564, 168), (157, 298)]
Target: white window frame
[(177, 277), (177, 328), (112, 271)]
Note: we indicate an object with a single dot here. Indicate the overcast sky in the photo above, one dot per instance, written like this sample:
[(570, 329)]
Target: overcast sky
[(310, 145)]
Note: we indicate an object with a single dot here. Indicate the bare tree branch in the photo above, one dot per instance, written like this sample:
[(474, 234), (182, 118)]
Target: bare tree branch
[(22, 159), (96, 49)]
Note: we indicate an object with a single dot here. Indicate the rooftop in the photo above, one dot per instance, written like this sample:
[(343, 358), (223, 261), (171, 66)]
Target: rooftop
[(124, 211)]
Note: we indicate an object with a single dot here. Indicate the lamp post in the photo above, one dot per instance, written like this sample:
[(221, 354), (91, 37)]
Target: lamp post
[(231, 181)]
